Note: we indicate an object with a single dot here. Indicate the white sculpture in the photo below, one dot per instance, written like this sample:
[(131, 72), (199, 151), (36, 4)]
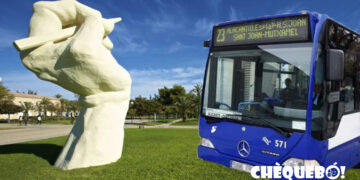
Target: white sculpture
[(83, 64)]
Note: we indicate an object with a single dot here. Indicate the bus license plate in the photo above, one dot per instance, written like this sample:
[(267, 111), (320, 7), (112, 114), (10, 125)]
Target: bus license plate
[(241, 166)]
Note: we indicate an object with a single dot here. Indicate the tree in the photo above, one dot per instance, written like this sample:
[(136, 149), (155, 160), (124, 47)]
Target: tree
[(5, 96), (154, 106), (141, 106), (183, 104), (9, 108), (58, 96), (131, 112), (28, 106), (45, 103), (197, 100), (38, 107), (166, 95), (59, 108), (6, 102), (52, 108), (73, 106), (167, 98), (32, 92), (64, 103)]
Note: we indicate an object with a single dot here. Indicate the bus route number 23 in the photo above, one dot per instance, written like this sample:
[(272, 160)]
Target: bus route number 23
[(221, 35), (280, 144)]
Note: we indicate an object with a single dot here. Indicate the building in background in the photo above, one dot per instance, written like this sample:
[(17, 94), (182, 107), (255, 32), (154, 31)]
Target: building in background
[(21, 98)]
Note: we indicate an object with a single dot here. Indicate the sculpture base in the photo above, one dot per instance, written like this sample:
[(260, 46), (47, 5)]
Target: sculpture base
[(96, 138)]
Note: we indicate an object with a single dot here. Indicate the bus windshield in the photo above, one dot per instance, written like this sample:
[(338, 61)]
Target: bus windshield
[(266, 82)]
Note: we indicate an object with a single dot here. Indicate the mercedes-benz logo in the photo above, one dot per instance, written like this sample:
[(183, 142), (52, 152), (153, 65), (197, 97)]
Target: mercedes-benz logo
[(243, 148)]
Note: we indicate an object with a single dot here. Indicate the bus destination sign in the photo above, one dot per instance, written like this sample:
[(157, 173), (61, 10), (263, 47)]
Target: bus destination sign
[(287, 29)]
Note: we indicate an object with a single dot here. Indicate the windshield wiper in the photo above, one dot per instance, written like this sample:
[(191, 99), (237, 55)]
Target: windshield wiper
[(281, 131)]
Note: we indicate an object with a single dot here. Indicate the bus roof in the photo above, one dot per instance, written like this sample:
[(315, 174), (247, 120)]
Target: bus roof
[(311, 14), (267, 17), (313, 18)]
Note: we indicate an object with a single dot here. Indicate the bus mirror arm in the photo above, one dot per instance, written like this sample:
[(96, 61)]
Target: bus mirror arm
[(334, 65), (206, 43)]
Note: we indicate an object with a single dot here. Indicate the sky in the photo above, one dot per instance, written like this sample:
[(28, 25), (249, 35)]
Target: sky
[(158, 41)]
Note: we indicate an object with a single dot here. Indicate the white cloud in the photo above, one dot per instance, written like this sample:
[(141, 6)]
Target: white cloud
[(175, 47), (167, 15), (203, 27), (160, 3), (127, 41), (289, 9), (216, 5), (232, 14), (7, 38), (147, 82), (160, 21), (24, 81)]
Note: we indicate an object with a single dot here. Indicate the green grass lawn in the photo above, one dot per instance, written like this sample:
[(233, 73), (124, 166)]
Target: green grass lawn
[(194, 122), (66, 122), (148, 154), (158, 122)]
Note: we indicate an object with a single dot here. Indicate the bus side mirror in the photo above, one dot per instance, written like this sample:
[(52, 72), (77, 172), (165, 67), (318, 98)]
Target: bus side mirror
[(335, 65), (206, 43)]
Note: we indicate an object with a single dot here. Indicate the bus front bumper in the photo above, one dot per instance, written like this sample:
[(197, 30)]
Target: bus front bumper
[(213, 155)]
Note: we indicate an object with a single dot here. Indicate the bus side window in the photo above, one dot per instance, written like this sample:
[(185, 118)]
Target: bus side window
[(343, 39), (347, 94), (357, 79), (347, 88)]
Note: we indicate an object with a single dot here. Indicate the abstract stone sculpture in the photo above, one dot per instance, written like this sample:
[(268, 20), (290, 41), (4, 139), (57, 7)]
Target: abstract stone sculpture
[(83, 64)]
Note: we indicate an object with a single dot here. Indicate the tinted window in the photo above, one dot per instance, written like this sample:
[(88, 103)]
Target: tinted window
[(341, 38)]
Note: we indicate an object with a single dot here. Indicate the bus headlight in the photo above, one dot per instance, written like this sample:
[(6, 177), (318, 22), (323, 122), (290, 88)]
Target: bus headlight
[(207, 143), (311, 163), (300, 162)]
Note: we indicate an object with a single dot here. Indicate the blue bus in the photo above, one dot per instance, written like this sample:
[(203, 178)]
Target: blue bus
[(281, 89)]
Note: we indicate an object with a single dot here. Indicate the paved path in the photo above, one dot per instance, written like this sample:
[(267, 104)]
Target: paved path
[(169, 125), (37, 132), (135, 121), (31, 132)]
